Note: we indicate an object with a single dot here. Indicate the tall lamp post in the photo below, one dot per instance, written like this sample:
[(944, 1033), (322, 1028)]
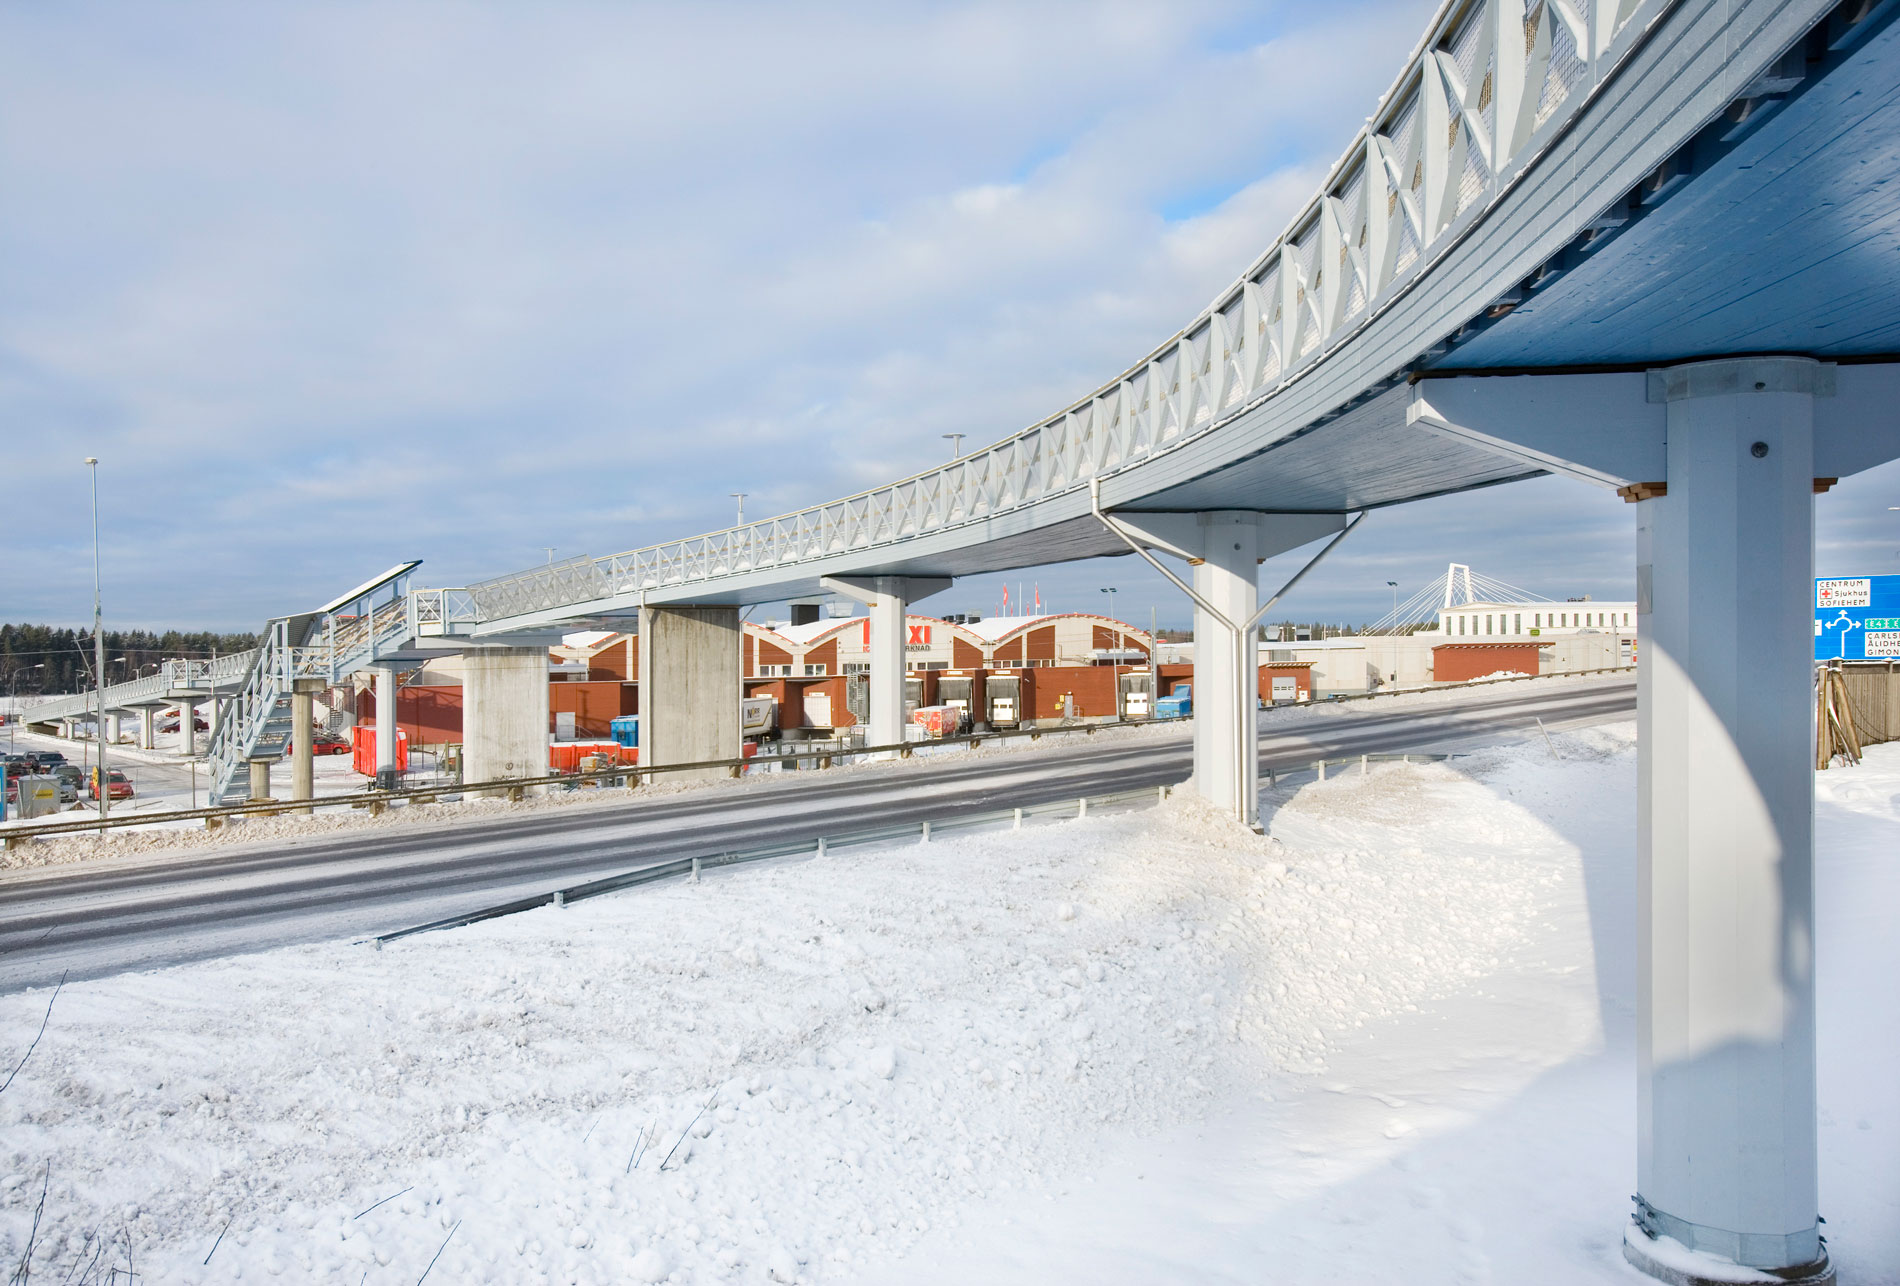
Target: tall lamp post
[(1110, 591), (740, 497), (956, 444), (1395, 604), (98, 650)]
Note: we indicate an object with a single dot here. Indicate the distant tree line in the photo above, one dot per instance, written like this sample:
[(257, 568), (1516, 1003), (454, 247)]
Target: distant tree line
[(42, 659)]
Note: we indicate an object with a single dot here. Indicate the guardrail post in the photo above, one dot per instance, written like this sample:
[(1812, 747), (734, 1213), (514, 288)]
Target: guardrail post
[(1320, 768), (1016, 819), (695, 870), (1081, 808), (926, 833), (1362, 765)]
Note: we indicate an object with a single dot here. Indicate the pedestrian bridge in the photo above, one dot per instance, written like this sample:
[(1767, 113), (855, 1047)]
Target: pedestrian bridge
[(1650, 244)]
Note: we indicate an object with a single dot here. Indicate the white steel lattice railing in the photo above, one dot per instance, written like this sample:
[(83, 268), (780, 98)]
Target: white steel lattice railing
[(1489, 83)]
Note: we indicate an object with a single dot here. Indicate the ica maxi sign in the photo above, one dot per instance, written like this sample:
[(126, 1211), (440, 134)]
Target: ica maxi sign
[(1857, 618)]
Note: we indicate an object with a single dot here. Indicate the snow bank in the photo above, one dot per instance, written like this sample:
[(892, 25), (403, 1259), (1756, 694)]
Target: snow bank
[(836, 1055)]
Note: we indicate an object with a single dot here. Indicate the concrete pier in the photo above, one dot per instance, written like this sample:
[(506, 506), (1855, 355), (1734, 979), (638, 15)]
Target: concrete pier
[(504, 713), (690, 687), (302, 735), (889, 599)]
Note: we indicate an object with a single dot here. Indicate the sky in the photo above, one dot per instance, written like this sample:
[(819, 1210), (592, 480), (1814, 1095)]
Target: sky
[(329, 286)]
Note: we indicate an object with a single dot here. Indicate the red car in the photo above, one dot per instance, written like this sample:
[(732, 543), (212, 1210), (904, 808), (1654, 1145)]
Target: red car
[(325, 743), (118, 785)]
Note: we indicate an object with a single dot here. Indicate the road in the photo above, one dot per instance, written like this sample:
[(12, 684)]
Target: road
[(89, 920)]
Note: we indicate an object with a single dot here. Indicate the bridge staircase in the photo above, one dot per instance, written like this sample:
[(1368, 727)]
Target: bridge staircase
[(255, 720)]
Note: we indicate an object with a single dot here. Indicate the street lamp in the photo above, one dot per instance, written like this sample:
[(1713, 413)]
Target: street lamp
[(740, 497), (98, 649), (1395, 601), (956, 444), (1110, 591)]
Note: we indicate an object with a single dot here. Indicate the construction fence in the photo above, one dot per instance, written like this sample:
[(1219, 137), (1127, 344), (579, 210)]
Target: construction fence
[(1857, 704)]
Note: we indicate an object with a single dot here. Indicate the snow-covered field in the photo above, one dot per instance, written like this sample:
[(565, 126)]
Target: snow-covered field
[(1391, 1042)]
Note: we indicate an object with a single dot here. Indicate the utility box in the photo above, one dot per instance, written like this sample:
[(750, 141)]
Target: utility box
[(39, 796), (625, 730)]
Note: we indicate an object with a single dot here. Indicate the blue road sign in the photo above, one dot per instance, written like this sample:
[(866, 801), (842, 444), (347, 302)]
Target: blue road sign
[(1857, 618)]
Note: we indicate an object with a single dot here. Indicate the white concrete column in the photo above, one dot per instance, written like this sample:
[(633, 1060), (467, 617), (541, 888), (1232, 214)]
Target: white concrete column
[(113, 727), (1227, 678), (887, 609), (386, 723), (148, 716), (1725, 954), (505, 713), (888, 599), (187, 730), (691, 689)]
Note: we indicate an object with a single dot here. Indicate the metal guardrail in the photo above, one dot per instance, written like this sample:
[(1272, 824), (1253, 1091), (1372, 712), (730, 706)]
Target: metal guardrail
[(515, 787), (925, 831)]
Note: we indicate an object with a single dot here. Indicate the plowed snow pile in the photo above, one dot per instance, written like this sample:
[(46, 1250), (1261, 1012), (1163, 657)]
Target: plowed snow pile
[(795, 1073)]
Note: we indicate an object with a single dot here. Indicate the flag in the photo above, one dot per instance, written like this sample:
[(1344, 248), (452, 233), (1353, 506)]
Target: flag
[(1038, 600), (1005, 611)]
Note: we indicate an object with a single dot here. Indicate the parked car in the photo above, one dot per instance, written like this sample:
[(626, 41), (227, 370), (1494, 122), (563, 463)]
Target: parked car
[(118, 785), (71, 778), (46, 758), (324, 743), (170, 724)]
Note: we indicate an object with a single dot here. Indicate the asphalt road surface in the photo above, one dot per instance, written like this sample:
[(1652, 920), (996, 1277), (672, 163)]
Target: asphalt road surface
[(88, 920)]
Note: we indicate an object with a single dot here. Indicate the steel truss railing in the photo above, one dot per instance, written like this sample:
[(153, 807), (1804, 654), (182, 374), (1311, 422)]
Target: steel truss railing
[(251, 715), (152, 690), (1491, 82)]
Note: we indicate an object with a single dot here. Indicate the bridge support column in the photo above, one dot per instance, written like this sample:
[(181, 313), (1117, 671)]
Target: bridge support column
[(691, 689), (387, 776), (1225, 548), (148, 716), (1726, 1159), (504, 713), (260, 780), (1226, 669), (303, 777), (112, 728), (1723, 458), (187, 729), (888, 599)]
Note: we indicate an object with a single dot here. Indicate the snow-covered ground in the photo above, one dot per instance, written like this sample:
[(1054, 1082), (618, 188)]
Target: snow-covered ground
[(1391, 1042)]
